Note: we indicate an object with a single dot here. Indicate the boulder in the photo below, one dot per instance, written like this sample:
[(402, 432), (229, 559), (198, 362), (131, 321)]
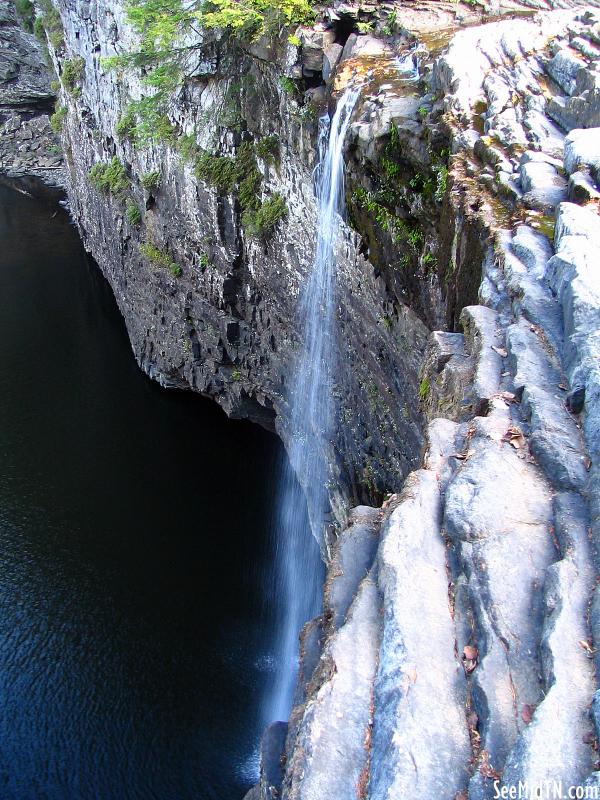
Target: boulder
[(544, 188), (312, 50), (563, 68), (365, 46), (331, 58), (352, 558), (582, 148), (581, 187)]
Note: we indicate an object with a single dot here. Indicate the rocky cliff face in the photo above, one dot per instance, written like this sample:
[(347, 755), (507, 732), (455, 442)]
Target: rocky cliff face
[(30, 152), (221, 322), (461, 624)]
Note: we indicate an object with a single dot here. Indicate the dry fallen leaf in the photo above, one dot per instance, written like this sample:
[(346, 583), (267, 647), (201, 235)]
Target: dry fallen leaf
[(587, 647), (500, 350), (527, 713), (462, 456), (508, 397), (589, 738), (470, 652), (486, 769), (390, 499), (587, 462), (514, 437)]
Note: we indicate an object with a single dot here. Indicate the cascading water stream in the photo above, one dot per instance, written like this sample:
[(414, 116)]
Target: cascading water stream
[(299, 566), (408, 64)]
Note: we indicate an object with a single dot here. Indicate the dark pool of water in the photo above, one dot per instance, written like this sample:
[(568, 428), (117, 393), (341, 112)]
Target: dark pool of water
[(134, 550)]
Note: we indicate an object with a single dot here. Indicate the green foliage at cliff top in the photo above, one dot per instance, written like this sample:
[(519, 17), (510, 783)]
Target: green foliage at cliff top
[(166, 29), (159, 22)]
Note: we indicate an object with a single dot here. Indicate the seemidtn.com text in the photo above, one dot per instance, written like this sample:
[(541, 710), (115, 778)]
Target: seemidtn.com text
[(545, 790)]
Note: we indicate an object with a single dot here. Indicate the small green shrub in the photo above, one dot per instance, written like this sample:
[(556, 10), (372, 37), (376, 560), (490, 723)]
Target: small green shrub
[(203, 261), (414, 237), (236, 375), (26, 13), (441, 171), (160, 258), (163, 130), (261, 222), (38, 30), (308, 113), (391, 168), (364, 27), (72, 73), (248, 192), (133, 213), (294, 40), (399, 229), (222, 172), (50, 25), (111, 178), (58, 118), (424, 389), (125, 127), (288, 85), (390, 26), (150, 181), (188, 147), (267, 148)]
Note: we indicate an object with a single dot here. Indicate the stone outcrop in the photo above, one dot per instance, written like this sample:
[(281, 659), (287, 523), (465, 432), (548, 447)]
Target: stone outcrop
[(455, 652), (487, 559), (30, 152)]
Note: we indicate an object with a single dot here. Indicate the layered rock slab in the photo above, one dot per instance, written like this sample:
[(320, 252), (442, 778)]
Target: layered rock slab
[(330, 751), (420, 739)]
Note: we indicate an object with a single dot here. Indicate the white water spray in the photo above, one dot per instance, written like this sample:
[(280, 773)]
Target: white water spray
[(299, 567)]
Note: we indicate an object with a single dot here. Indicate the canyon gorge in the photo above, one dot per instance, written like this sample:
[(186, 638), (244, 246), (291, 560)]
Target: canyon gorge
[(456, 504)]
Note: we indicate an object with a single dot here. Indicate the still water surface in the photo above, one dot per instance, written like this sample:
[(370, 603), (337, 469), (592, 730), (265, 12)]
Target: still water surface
[(135, 606)]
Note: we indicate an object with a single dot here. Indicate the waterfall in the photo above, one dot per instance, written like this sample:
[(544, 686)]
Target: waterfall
[(298, 561), (408, 64)]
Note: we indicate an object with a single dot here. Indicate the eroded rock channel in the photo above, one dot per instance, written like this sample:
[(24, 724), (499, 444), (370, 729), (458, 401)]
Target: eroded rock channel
[(456, 650)]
